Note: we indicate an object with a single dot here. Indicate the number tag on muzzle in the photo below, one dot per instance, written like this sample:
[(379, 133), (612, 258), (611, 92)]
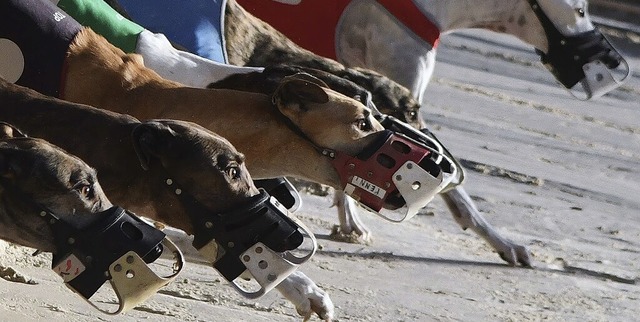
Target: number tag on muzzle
[(117, 247)]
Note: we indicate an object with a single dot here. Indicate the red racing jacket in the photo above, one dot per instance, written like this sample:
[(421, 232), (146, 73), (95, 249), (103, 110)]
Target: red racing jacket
[(312, 23)]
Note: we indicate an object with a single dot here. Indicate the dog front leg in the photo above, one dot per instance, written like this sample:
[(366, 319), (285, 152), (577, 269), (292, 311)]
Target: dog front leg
[(466, 214), (351, 228), (306, 296)]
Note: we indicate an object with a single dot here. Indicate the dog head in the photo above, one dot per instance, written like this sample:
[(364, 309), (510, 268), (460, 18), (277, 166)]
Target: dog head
[(204, 164), (37, 175), (326, 117)]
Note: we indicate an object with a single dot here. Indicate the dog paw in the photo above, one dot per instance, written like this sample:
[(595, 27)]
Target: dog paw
[(353, 237), (516, 254), (306, 296)]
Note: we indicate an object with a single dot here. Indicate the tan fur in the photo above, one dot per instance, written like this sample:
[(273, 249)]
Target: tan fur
[(116, 145), (101, 75)]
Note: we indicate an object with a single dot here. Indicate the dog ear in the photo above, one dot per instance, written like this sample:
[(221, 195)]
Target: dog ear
[(8, 131), (296, 90), (151, 141)]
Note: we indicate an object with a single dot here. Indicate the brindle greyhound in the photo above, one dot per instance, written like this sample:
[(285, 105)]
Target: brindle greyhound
[(52, 201), (62, 183), (122, 148)]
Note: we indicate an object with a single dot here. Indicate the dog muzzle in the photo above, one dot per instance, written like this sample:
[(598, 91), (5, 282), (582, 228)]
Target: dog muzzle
[(584, 63), (259, 237), (395, 171), (114, 246)]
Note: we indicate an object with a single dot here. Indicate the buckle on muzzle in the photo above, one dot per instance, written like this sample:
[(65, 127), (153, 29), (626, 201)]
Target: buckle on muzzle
[(117, 246), (257, 239), (396, 171)]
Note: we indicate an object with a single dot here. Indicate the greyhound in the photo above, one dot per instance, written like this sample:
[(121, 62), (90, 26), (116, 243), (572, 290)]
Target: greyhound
[(53, 178), (122, 148), (247, 47), (294, 132), (52, 201)]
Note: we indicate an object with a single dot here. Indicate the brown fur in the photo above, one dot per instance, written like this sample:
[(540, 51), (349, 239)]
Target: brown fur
[(252, 42), (116, 145), (103, 76), (50, 178)]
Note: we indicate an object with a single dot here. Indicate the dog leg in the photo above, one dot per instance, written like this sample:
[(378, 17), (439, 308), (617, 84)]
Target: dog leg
[(466, 214), (351, 228), (306, 296)]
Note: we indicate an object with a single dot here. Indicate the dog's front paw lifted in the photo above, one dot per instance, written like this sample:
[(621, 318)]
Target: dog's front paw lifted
[(307, 297)]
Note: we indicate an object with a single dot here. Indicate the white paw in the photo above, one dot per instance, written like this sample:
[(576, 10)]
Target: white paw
[(306, 296)]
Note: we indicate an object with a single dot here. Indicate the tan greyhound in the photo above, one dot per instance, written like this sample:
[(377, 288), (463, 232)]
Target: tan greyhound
[(101, 75)]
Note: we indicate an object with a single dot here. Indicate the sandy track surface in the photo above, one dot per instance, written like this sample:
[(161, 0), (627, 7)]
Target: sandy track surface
[(550, 172)]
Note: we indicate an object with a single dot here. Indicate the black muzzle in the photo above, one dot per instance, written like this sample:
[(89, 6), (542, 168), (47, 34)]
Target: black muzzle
[(587, 59), (256, 236), (258, 221), (113, 245)]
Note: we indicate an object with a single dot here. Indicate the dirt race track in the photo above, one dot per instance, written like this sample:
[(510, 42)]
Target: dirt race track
[(551, 172)]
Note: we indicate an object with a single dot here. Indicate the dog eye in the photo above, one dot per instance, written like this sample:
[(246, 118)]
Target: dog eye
[(580, 12), (85, 190), (233, 172), (413, 115), (364, 124)]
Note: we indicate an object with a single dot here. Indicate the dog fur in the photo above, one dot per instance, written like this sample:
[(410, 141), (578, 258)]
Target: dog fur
[(196, 158), (101, 75), (52, 178)]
